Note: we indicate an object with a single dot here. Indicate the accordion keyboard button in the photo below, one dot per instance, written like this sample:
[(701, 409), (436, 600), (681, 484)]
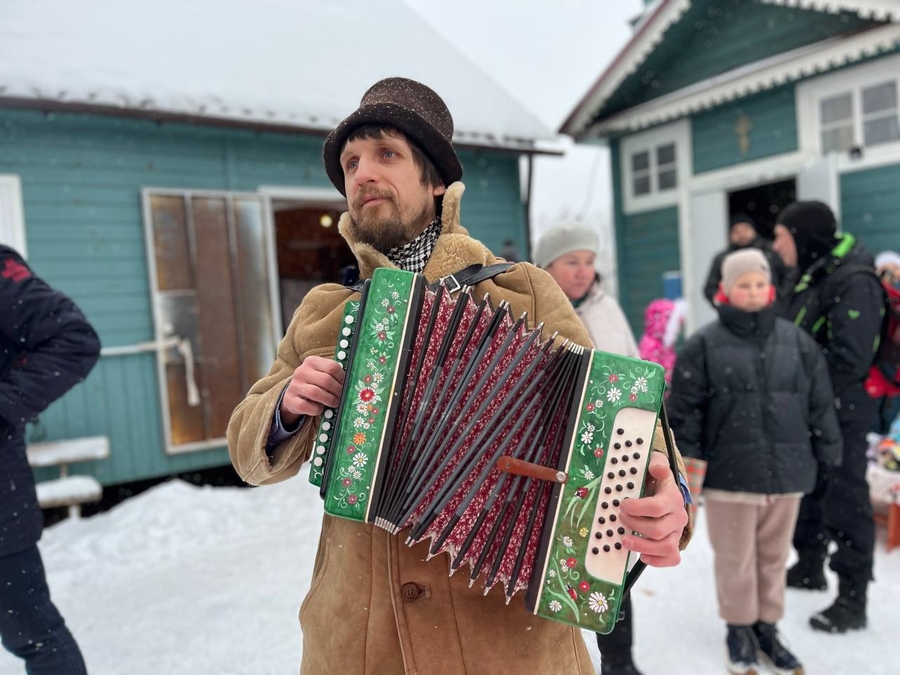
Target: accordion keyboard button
[(632, 427)]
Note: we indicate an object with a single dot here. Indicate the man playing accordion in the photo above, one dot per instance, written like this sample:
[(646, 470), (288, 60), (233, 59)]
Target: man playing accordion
[(375, 604)]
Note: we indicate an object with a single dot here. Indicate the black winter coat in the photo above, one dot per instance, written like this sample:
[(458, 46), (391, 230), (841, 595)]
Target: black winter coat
[(750, 394), (839, 301), (46, 347)]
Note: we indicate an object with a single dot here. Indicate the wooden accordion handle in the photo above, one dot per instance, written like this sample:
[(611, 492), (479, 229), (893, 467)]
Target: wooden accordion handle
[(520, 467)]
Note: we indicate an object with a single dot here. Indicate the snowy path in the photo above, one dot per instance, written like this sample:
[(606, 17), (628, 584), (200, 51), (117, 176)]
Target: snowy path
[(194, 581)]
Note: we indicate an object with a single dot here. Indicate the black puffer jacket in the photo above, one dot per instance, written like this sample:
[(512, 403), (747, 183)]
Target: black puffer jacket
[(750, 394), (46, 347)]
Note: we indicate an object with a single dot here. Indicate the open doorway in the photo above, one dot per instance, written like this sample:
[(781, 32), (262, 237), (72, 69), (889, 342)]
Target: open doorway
[(763, 203), (309, 249)]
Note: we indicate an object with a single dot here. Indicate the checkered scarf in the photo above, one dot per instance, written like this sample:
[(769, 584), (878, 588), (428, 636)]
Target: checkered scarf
[(413, 256)]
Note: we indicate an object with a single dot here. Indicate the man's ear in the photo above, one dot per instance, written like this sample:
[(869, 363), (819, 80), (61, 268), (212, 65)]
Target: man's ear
[(438, 190)]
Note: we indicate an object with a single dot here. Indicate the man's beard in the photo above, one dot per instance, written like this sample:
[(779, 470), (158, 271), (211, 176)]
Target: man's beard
[(386, 232)]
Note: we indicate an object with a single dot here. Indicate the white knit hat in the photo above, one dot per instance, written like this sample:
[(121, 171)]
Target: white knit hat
[(739, 263), (565, 238)]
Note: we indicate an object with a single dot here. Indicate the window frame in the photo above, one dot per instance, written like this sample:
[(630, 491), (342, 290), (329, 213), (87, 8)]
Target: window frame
[(853, 80), (156, 295), (676, 134), (12, 213)]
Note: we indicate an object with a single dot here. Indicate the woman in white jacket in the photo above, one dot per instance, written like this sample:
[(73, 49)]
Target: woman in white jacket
[(568, 253)]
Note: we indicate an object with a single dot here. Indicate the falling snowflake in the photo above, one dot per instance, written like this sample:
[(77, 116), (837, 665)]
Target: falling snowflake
[(567, 542), (598, 603), (555, 605), (613, 395)]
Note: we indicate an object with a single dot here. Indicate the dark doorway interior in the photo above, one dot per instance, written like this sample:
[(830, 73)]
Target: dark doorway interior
[(310, 251), (763, 203)]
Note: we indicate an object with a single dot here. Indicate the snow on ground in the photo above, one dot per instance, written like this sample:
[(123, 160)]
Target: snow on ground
[(183, 580)]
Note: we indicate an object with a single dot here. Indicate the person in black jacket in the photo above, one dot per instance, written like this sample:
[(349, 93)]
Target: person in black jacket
[(46, 347), (840, 302), (751, 396), (743, 234)]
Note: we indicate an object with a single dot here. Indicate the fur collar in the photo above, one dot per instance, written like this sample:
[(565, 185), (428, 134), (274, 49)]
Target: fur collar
[(454, 250)]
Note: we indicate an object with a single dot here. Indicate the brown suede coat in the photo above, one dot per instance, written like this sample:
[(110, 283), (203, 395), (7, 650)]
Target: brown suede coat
[(375, 606)]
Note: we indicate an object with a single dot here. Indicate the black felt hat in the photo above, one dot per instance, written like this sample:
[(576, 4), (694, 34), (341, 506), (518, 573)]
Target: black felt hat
[(410, 107)]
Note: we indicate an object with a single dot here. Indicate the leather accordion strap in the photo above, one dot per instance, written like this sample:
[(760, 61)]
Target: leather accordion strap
[(471, 275)]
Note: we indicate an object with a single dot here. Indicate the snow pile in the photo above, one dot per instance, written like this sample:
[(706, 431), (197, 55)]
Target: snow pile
[(194, 581)]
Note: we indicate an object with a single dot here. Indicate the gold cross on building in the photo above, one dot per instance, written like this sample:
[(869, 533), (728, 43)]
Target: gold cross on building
[(743, 128)]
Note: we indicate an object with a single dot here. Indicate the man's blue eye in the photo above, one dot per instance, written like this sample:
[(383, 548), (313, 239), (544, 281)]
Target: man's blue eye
[(389, 153)]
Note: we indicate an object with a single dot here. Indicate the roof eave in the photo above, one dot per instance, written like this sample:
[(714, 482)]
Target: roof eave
[(462, 138), (746, 81)]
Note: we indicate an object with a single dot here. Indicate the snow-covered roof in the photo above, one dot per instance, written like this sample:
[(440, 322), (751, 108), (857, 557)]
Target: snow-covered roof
[(288, 63), (650, 32)]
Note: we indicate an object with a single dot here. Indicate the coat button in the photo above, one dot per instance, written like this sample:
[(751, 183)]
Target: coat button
[(411, 592)]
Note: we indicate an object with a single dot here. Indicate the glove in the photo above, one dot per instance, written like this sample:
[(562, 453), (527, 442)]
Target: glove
[(823, 483)]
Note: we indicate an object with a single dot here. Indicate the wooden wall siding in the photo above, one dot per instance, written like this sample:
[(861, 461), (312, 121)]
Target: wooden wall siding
[(773, 116), (716, 36), (870, 207), (646, 247), (82, 177)]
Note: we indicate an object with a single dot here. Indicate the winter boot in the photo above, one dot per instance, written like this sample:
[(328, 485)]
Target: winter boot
[(808, 573), (847, 613), (741, 644), (773, 650)]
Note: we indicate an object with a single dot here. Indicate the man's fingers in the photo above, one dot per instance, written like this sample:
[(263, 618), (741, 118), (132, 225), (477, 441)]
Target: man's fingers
[(656, 553)]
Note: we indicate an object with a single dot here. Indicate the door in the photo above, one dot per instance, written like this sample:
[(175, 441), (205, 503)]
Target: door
[(708, 235), (12, 223), (821, 182)]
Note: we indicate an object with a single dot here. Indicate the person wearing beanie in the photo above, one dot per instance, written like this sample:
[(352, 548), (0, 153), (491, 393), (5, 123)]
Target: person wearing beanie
[(376, 605), (743, 234), (568, 252), (751, 397), (839, 301)]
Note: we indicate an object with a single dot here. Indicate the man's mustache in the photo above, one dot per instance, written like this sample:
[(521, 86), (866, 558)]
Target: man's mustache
[(363, 197)]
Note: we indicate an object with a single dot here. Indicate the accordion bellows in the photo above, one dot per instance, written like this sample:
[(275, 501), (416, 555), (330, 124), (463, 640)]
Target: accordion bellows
[(461, 426)]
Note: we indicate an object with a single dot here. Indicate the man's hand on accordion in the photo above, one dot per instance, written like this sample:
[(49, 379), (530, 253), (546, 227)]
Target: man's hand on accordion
[(315, 385), (658, 517)]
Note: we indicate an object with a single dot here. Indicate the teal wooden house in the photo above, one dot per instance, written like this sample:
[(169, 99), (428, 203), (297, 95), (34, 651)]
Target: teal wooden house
[(719, 107), (165, 171)]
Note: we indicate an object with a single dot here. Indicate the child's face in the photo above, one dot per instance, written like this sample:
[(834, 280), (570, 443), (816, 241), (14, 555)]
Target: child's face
[(751, 292)]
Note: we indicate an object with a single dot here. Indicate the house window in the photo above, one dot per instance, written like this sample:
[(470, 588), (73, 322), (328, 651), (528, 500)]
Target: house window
[(211, 292), (881, 123), (866, 116), (654, 164)]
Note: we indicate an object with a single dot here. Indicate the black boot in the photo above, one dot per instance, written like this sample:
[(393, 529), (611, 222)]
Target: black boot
[(808, 573), (741, 644), (847, 613), (774, 650)]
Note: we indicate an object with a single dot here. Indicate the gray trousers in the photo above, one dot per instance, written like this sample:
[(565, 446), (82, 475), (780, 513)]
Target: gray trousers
[(751, 544)]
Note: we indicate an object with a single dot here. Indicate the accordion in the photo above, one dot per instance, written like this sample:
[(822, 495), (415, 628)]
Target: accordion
[(509, 450)]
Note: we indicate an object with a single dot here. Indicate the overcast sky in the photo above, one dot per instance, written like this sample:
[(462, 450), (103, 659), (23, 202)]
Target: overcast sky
[(547, 55)]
